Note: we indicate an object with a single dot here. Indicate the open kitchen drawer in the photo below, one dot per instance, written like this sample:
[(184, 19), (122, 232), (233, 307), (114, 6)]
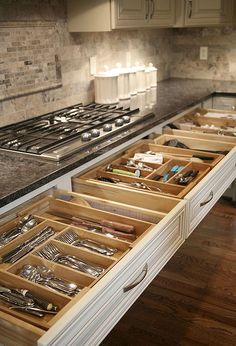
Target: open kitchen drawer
[(210, 121), (216, 138), (147, 233), (155, 178), (216, 171)]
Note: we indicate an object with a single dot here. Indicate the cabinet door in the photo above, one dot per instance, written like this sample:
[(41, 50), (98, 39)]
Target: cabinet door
[(88, 16), (161, 13), (208, 12), (130, 13)]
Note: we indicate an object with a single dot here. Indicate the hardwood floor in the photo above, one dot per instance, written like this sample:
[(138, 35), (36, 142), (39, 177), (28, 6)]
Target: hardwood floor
[(193, 299)]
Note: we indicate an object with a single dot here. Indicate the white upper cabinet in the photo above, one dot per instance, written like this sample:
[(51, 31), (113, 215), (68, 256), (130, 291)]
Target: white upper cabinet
[(143, 13), (204, 12), (129, 13), (105, 15), (162, 13)]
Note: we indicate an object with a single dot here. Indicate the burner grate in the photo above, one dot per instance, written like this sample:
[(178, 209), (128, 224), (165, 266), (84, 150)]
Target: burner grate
[(67, 130)]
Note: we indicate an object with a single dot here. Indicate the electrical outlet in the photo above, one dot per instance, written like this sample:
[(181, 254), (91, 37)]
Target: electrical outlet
[(203, 53), (93, 65)]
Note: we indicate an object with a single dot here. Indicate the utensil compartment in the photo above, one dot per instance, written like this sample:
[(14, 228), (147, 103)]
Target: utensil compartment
[(207, 121), (159, 181), (121, 166), (119, 246), (201, 135), (24, 239), (10, 280), (149, 186), (168, 170), (133, 205), (66, 250), (76, 214), (13, 232), (195, 143), (176, 153), (54, 269)]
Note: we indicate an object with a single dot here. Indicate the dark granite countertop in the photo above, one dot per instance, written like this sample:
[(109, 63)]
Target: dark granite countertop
[(21, 174)]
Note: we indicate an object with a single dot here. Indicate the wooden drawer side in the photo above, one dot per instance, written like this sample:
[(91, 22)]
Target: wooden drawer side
[(15, 332)]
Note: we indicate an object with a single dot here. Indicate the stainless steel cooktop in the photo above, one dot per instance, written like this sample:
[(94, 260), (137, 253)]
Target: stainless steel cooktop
[(59, 134)]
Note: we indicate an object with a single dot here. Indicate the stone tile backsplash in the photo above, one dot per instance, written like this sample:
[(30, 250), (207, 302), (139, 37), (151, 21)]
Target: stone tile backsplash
[(221, 62), (59, 74), (28, 60)]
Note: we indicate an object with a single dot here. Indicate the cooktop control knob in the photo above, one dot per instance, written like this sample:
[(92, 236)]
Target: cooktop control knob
[(86, 136), (126, 119), (95, 133), (119, 122), (107, 127)]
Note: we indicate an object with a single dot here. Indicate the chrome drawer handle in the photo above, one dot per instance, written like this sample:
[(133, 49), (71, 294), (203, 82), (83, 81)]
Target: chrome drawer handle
[(190, 8), (147, 9), (153, 9), (208, 200), (139, 279)]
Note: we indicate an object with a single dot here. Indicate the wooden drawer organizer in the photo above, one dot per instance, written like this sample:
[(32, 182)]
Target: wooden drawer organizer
[(168, 188), (224, 123), (196, 143), (55, 211)]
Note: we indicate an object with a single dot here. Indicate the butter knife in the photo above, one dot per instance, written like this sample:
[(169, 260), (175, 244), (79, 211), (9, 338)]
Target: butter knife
[(22, 249)]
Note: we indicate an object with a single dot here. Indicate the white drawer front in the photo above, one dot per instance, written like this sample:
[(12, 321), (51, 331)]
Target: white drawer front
[(205, 195), (89, 321), (123, 301)]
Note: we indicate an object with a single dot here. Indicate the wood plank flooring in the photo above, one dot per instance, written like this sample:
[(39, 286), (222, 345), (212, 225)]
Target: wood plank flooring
[(193, 299)]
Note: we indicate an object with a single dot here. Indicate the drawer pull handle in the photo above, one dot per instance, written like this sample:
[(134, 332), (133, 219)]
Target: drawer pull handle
[(147, 9), (153, 9), (139, 279), (208, 200), (190, 8)]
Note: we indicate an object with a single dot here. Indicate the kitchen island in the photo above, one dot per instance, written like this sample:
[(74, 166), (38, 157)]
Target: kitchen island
[(23, 176)]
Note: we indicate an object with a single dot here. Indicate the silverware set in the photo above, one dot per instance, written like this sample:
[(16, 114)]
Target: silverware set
[(70, 237), (42, 275), (23, 226), (26, 301), (24, 248), (52, 253)]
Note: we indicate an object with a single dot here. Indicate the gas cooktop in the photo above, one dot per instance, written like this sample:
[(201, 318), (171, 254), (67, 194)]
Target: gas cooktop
[(59, 134)]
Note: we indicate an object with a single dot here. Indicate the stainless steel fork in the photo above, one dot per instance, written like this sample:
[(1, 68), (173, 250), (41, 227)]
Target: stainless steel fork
[(70, 237), (49, 252), (52, 253)]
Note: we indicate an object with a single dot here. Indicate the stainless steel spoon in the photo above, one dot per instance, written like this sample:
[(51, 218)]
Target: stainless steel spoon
[(46, 277), (23, 226)]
